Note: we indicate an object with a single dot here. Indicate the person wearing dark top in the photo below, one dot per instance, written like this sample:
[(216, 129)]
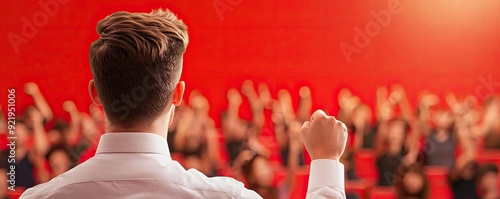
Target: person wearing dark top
[(440, 145), (24, 172), (285, 120), (3, 178), (195, 136), (462, 174), (440, 149), (369, 137), (391, 158), (463, 185), (364, 132), (27, 154), (234, 128), (387, 165)]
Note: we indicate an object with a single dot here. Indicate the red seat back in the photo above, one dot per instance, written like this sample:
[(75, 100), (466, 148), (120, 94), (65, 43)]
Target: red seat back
[(383, 193), (438, 182), (364, 165)]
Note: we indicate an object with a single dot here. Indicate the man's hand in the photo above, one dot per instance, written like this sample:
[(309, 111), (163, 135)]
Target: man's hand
[(324, 136)]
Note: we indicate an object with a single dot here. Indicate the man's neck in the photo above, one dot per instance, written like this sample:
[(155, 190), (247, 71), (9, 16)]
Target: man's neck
[(157, 127)]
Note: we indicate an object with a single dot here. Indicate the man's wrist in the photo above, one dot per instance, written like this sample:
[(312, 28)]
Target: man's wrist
[(325, 157)]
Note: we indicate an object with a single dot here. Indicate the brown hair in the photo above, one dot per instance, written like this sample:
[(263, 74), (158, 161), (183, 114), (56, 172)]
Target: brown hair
[(136, 64), (400, 186)]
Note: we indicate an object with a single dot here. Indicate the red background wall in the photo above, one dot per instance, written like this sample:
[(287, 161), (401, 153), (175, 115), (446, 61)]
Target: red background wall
[(440, 46)]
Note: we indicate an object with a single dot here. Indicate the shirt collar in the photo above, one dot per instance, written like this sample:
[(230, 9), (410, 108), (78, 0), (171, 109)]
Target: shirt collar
[(133, 143)]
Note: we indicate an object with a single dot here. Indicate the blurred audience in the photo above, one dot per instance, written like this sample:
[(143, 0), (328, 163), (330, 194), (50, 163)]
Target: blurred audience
[(405, 143)]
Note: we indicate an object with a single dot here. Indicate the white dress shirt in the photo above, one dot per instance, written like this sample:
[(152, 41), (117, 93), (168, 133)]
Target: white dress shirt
[(138, 165)]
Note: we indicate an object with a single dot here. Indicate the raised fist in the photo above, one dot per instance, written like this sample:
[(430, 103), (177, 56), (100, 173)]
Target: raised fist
[(324, 136)]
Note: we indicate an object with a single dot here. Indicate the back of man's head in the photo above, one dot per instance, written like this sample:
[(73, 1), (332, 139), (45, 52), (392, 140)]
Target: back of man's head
[(136, 64)]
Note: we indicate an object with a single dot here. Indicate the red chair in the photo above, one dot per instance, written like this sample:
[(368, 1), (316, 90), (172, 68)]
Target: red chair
[(364, 164), (438, 182), (223, 154), (359, 187), (383, 193), (300, 181), (16, 194), (489, 156)]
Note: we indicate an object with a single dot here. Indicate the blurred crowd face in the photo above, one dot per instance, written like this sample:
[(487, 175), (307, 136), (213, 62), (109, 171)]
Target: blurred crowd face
[(199, 104), (413, 182), (443, 119), (362, 115), (89, 128), (237, 127), (59, 162), (262, 172), (55, 137), (488, 182)]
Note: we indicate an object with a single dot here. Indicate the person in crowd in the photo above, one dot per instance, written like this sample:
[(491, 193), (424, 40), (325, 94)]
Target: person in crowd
[(258, 173), (391, 151), (441, 142), (487, 181), (31, 146), (364, 132), (411, 182), (4, 168), (234, 128), (285, 121), (59, 161), (196, 137), (32, 143), (39, 101), (136, 136), (92, 127), (463, 173), (56, 134)]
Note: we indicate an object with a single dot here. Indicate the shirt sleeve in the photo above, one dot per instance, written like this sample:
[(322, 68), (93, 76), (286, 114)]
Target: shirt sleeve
[(326, 180), (249, 194)]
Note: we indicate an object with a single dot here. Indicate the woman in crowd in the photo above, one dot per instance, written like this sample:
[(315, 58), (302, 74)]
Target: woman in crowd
[(286, 120), (397, 136), (411, 182), (196, 137)]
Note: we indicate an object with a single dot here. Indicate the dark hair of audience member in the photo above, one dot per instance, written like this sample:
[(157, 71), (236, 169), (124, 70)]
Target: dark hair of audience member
[(254, 183), (411, 182)]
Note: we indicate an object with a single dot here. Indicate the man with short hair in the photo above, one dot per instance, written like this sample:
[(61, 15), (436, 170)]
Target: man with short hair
[(136, 64)]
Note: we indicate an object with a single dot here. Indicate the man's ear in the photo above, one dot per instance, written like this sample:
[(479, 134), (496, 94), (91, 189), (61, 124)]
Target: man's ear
[(93, 93), (178, 93)]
